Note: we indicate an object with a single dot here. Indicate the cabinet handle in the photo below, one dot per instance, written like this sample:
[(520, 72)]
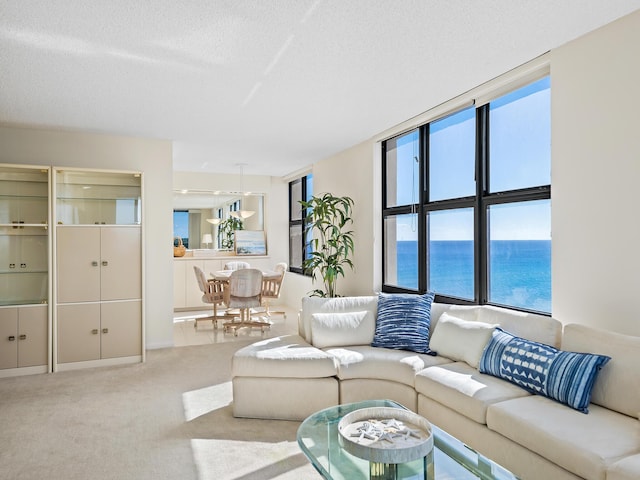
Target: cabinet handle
[(23, 265), (12, 265), (105, 263), (94, 331), (22, 337), (12, 338), (94, 264), (105, 330)]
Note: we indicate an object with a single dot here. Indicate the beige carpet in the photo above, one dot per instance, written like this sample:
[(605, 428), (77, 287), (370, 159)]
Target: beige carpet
[(169, 418)]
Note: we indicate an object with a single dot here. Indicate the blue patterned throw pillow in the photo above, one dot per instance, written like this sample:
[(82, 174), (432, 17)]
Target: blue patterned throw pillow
[(567, 377), (403, 321)]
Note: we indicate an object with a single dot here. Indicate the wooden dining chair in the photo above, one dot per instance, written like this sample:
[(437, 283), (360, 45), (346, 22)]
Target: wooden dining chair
[(271, 287), (245, 293), (236, 265), (212, 293)]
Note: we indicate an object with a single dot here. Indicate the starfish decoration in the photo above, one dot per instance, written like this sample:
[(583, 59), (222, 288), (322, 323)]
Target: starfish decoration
[(393, 423), (412, 433), (387, 436)]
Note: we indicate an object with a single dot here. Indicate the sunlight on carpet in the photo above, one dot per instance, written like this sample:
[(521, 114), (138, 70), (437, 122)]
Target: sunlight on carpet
[(228, 460), (205, 400)]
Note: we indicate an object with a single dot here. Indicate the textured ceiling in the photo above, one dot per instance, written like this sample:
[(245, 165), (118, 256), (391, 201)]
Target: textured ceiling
[(273, 84)]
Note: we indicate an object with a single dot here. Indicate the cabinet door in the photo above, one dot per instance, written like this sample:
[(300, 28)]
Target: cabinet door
[(179, 273), (121, 266), (33, 251), (78, 332), (8, 338), (121, 329), (32, 336), (78, 262), (34, 209)]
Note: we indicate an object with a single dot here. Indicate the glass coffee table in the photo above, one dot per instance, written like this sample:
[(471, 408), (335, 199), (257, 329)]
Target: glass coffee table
[(450, 459)]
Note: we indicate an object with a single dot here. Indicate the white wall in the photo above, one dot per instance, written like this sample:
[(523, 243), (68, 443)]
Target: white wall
[(350, 173), (595, 179), (596, 176), (58, 148)]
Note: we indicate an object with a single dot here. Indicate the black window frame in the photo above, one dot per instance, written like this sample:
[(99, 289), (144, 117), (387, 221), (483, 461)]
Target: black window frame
[(305, 191), (480, 203)]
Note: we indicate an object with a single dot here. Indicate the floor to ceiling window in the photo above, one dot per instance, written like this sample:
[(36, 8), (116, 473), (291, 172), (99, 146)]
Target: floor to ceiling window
[(466, 203)]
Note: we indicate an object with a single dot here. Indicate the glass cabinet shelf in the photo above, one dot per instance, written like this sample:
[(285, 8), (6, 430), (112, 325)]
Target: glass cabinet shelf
[(24, 195), (98, 198), (24, 235), (28, 301)]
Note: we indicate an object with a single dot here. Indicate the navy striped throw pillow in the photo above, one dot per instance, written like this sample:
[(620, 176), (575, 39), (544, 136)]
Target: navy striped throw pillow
[(403, 321), (567, 377)]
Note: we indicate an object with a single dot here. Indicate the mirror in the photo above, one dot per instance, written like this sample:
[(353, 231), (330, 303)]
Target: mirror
[(197, 215)]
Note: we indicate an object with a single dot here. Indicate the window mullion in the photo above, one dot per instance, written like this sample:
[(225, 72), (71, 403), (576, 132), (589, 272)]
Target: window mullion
[(482, 182), (423, 251), (522, 195)]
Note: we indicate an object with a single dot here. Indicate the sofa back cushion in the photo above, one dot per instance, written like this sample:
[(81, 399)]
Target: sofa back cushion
[(539, 328), (618, 385), (461, 340), (464, 312), (339, 329), (311, 305)]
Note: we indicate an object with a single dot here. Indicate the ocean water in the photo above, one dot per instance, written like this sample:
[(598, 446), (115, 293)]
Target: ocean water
[(519, 271)]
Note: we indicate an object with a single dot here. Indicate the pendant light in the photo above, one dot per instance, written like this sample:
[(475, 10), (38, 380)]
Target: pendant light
[(242, 214)]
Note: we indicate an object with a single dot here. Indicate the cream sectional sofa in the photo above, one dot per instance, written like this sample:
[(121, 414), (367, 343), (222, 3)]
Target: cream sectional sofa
[(332, 361)]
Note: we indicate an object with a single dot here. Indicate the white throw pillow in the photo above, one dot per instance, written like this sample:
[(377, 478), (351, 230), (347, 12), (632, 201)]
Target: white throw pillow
[(338, 329), (461, 340)]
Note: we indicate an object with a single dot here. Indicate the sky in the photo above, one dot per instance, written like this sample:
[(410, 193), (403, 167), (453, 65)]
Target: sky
[(520, 156)]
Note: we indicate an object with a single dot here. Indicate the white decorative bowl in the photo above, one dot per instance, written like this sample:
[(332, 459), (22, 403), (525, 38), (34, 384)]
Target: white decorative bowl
[(385, 435)]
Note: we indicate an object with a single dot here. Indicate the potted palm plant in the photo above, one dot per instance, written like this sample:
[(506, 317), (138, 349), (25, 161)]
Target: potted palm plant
[(328, 217)]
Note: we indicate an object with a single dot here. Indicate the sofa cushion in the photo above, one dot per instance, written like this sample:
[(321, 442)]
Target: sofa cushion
[(567, 377), (465, 390), (403, 321), (582, 444), (618, 385), (285, 356), (336, 329), (381, 363), (539, 328), (460, 340), (311, 305), (626, 469)]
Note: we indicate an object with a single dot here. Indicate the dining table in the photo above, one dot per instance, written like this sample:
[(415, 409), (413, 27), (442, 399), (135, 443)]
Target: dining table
[(223, 275)]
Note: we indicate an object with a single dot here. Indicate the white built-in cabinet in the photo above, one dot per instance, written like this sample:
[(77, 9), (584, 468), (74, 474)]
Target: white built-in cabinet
[(98, 317), (24, 270), (24, 336), (70, 296)]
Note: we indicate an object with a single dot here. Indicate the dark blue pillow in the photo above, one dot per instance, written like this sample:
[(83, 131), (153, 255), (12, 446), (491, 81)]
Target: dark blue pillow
[(403, 321), (567, 377)]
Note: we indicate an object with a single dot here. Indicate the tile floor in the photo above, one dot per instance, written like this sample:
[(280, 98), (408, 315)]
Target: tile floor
[(184, 332)]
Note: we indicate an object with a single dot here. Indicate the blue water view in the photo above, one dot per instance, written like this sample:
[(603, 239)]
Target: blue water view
[(519, 270)]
